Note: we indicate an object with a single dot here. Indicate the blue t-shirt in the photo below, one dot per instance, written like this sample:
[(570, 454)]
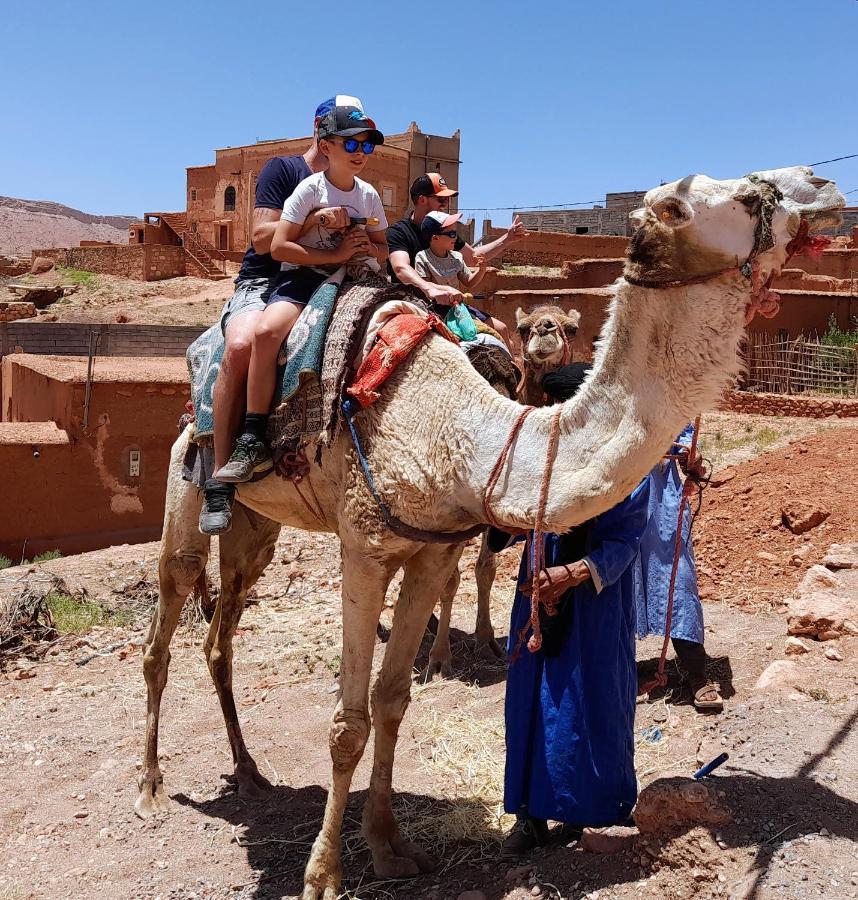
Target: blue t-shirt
[(278, 178)]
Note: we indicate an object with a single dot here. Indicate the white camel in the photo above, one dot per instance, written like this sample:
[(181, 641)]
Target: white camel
[(666, 352)]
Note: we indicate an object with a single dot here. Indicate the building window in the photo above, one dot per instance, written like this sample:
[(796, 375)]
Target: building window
[(581, 229), (387, 195), (193, 194), (229, 199)]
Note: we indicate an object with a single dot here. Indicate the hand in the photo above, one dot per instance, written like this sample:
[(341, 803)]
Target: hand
[(334, 218), (516, 231), (480, 262), (443, 293), (355, 243), (556, 580)]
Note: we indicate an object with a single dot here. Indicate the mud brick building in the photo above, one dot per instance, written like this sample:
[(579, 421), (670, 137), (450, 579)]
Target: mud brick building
[(220, 196), (612, 218)]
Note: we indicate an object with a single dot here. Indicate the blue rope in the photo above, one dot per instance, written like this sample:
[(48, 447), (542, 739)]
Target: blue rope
[(350, 407)]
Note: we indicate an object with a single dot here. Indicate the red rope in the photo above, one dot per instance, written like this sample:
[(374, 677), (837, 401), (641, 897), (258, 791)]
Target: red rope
[(688, 488), (494, 477)]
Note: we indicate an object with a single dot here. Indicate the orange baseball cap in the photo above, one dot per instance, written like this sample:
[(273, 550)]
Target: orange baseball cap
[(431, 185)]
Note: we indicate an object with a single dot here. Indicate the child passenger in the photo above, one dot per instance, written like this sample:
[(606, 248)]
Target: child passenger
[(440, 263), (315, 236)]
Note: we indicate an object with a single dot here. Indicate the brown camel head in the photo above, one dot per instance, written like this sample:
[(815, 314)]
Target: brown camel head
[(546, 336)]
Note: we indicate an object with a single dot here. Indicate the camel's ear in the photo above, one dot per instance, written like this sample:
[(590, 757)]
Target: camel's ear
[(637, 217), (519, 315), (674, 212), (750, 198), (573, 320)]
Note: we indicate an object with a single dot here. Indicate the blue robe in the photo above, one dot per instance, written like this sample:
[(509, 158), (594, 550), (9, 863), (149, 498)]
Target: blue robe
[(655, 559), (570, 718)]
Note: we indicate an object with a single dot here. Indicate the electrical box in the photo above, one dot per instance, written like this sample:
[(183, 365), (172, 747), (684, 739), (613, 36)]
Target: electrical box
[(134, 464)]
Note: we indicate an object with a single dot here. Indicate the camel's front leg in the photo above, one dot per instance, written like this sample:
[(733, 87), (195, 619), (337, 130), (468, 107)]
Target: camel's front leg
[(364, 584), (184, 552), (425, 575), (485, 570), (245, 551)]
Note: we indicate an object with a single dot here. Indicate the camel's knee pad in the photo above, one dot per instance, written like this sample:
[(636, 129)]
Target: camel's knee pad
[(184, 569), (348, 736)]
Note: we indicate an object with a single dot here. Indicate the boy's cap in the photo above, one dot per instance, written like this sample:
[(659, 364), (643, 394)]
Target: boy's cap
[(345, 117), (435, 222), (431, 185)]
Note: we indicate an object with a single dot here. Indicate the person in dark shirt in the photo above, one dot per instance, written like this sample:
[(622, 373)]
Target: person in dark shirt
[(277, 180), (429, 193)]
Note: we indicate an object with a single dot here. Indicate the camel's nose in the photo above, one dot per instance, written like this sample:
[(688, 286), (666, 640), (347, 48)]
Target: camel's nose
[(545, 327)]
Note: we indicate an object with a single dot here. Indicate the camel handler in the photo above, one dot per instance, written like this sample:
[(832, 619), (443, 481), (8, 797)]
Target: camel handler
[(429, 193), (259, 271)]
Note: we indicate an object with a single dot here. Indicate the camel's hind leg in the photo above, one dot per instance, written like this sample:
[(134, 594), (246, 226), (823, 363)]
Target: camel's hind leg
[(426, 574), (441, 656), (184, 552), (245, 551), (486, 569)]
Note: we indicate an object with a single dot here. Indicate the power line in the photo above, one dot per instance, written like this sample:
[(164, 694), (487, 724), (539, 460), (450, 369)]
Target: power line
[(836, 159)]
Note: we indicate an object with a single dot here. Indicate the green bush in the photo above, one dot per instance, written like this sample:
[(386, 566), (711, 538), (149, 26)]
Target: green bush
[(834, 337), (5, 562), (44, 557), (74, 615), (77, 276)]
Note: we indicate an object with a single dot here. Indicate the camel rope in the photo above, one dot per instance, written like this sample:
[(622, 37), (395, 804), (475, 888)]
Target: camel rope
[(494, 477)]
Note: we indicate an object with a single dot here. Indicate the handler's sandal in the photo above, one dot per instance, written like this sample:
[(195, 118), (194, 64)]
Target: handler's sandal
[(216, 514), (250, 456), (526, 835)]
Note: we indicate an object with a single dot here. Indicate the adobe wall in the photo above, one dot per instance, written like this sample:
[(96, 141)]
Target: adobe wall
[(582, 273), (9, 312), (82, 497), (786, 405), (72, 338), (165, 261), (836, 263), (126, 260), (553, 248)]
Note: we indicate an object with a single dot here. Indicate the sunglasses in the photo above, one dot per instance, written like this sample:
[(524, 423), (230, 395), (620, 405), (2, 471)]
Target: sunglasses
[(452, 233), (350, 145)]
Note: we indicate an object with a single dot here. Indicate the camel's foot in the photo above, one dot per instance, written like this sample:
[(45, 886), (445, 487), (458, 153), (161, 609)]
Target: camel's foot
[(323, 873), (152, 798), (397, 858), (251, 784), (486, 647), (442, 666)]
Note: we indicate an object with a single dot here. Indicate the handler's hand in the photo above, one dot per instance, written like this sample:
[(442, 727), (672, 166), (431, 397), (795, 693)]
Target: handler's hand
[(443, 293), (517, 231), (334, 217), (556, 580)]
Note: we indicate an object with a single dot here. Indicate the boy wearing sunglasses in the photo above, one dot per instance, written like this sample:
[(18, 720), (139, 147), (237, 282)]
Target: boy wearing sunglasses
[(440, 263), (321, 228)]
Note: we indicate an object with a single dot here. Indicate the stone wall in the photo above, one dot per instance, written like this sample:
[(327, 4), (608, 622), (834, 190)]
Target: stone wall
[(72, 339), (551, 248), (126, 260), (9, 312), (165, 261), (788, 405)]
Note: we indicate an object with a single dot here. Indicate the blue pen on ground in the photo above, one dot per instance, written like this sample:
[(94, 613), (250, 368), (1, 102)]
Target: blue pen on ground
[(711, 766)]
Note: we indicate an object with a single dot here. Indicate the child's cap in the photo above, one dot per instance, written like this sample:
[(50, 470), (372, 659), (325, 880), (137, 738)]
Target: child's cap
[(430, 185), (435, 222), (346, 118)]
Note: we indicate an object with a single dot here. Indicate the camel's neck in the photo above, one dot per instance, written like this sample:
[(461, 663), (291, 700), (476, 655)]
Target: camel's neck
[(663, 357)]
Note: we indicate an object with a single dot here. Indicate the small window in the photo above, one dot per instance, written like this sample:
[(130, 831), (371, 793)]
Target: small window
[(140, 235), (581, 229), (229, 199), (194, 227), (386, 195), (193, 194)]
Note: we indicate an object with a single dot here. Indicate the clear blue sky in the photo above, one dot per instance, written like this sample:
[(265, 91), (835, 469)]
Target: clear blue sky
[(104, 104)]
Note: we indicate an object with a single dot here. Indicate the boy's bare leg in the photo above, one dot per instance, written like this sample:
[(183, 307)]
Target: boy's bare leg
[(230, 387), (271, 330), (501, 328)]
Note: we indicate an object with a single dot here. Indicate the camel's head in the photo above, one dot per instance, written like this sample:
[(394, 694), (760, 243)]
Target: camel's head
[(698, 226), (546, 335)]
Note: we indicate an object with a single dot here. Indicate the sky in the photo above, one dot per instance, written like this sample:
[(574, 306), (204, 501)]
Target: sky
[(105, 104)]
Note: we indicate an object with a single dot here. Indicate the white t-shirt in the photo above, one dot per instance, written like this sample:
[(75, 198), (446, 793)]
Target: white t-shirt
[(316, 192)]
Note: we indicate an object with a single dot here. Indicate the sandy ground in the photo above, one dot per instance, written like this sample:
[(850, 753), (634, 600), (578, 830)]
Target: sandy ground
[(72, 737)]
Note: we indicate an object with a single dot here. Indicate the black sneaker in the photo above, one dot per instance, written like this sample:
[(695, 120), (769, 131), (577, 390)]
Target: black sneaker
[(526, 835), (250, 456), (216, 514)]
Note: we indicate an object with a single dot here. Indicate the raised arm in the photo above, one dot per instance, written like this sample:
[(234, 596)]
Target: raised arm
[(515, 232)]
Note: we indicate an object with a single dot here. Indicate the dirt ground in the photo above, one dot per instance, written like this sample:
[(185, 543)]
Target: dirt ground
[(103, 298), (72, 733)]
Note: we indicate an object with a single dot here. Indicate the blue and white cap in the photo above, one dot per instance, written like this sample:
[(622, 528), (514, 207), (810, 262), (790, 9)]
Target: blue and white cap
[(344, 116)]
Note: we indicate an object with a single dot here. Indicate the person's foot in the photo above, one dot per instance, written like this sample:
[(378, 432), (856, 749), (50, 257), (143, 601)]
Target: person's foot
[(216, 514), (250, 456), (526, 835), (707, 696)]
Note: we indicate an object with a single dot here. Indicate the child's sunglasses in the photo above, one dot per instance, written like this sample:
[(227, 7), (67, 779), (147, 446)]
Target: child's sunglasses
[(453, 233), (350, 145)]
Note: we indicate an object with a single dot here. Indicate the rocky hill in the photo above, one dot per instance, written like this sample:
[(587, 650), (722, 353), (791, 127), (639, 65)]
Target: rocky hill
[(25, 224)]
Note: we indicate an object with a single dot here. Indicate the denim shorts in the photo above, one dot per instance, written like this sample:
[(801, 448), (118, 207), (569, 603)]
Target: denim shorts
[(297, 286), (251, 295)]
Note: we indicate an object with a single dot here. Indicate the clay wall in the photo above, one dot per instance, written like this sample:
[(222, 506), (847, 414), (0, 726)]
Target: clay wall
[(550, 248), (9, 312), (13, 269), (83, 496), (166, 261), (836, 263), (784, 405), (127, 260), (72, 338)]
